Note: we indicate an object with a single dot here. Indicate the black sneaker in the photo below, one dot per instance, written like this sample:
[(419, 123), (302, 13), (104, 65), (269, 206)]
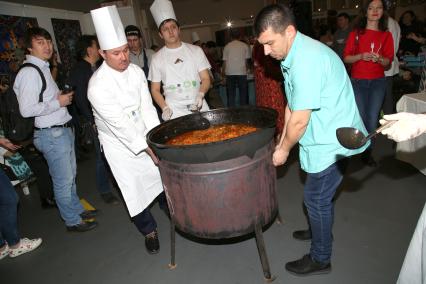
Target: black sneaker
[(84, 226), (109, 198), (302, 235), (89, 214), (152, 243), (307, 266)]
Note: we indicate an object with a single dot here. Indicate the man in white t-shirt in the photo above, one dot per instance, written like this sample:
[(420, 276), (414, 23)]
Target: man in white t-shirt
[(235, 66), (181, 68)]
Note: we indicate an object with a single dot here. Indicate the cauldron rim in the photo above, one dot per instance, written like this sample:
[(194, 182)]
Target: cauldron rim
[(261, 117), (175, 120)]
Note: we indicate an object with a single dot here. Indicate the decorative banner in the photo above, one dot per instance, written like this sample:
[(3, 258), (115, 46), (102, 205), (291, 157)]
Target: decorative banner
[(67, 33), (12, 49)]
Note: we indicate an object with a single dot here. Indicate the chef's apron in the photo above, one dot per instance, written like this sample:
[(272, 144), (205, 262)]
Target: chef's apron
[(136, 174), (183, 86)]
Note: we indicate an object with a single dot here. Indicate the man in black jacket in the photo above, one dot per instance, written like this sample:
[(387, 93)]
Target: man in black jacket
[(87, 54)]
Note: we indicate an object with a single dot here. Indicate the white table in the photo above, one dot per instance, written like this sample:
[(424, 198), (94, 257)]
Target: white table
[(413, 151)]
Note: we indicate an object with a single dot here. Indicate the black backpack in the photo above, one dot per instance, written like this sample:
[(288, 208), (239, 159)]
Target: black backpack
[(16, 127)]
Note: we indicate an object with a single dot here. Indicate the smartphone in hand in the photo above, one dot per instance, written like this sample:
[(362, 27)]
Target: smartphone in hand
[(67, 89)]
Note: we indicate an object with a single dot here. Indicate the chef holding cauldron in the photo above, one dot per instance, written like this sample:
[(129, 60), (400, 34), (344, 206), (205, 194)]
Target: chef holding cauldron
[(124, 113), (179, 66)]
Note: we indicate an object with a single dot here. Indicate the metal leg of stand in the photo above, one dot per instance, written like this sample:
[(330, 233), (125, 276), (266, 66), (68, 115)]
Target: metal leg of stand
[(172, 264), (262, 253)]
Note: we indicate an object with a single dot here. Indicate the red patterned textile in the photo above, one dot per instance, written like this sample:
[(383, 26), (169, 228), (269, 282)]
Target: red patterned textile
[(268, 83)]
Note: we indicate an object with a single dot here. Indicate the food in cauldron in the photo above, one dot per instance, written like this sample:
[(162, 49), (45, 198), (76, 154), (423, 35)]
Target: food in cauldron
[(214, 133)]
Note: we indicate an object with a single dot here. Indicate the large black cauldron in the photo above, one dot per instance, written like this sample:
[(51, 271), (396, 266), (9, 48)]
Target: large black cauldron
[(262, 118), (223, 189)]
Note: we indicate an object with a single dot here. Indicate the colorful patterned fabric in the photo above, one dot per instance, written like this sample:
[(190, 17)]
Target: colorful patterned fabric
[(268, 83)]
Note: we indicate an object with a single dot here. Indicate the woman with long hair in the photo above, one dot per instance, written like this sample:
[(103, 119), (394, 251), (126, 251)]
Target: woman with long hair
[(369, 49)]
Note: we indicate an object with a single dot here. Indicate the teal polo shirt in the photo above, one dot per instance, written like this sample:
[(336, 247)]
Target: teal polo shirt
[(316, 79)]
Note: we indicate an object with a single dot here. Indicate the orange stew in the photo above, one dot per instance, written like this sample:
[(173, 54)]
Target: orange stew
[(212, 134)]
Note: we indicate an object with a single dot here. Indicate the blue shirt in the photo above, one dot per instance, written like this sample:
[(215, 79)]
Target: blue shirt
[(27, 88), (316, 79)]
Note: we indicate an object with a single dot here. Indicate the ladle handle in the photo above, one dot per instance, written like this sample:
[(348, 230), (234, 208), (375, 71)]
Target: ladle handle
[(380, 129)]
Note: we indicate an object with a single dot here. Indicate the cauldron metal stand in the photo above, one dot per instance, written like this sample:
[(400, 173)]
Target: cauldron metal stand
[(260, 243)]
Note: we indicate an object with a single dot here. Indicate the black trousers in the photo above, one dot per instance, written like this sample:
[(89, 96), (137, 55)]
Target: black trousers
[(38, 165), (144, 221)]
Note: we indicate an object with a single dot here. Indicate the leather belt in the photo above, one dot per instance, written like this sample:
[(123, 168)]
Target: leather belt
[(65, 125)]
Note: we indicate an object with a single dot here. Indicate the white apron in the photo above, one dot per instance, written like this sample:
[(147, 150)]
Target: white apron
[(124, 113), (183, 83)]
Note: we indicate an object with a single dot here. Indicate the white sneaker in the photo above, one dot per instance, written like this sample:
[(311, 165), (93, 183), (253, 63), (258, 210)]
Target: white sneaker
[(4, 252), (25, 245)]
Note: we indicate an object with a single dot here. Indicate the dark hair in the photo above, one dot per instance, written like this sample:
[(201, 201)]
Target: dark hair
[(412, 16), (83, 43), (344, 15), (383, 22), (132, 30), (166, 21), (277, 16), (235, 33), (211, 44), (35, 32)]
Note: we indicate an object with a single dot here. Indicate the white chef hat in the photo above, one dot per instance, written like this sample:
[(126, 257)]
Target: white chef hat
[(108, 26), (195, 37), (162, 10)]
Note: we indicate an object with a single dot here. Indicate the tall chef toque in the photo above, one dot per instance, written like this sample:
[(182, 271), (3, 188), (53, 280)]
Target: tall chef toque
[(162, 10), (195, 37), (109, 28)]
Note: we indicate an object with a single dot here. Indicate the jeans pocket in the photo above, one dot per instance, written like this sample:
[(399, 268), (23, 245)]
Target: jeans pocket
[(57, 132)]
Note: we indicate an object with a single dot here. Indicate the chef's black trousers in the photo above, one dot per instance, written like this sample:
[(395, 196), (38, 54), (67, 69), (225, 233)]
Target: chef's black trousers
[(144, 221)]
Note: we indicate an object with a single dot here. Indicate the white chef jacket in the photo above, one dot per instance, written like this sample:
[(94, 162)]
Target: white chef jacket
[(178, 69), (124, 113)]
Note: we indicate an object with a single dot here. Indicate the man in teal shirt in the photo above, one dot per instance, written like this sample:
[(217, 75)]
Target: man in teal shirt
[(320, 100)]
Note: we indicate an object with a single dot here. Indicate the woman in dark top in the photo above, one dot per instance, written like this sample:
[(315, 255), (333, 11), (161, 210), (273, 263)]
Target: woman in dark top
[(409, 27)]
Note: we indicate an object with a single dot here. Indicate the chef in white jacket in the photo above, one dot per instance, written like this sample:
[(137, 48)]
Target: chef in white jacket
[(182, 68), (124, 113)]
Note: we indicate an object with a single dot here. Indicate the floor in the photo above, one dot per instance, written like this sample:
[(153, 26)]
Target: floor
[(375, 216)]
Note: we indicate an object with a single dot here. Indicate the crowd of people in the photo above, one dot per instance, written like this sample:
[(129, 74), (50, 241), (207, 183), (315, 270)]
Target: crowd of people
[(118, 99)]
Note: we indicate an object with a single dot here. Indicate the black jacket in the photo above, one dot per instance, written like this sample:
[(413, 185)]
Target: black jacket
[(79, 78)]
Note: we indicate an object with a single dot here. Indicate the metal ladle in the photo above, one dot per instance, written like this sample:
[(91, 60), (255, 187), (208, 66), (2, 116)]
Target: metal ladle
[(201, 122), (352, 138)]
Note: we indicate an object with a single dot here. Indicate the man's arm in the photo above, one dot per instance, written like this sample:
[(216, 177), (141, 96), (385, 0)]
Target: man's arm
[(294, 129), (156, 94), (205, 81)]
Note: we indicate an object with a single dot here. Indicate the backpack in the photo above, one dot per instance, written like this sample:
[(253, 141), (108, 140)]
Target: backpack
[(16, 127)]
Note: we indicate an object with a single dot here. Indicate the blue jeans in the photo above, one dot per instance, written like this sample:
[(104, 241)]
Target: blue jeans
[(102, 181), (369, 96), (8, 212), (57, 146), (318, 194), (232, 82)]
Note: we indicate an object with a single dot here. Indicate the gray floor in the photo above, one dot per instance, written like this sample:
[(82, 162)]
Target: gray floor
[(375, 216)]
